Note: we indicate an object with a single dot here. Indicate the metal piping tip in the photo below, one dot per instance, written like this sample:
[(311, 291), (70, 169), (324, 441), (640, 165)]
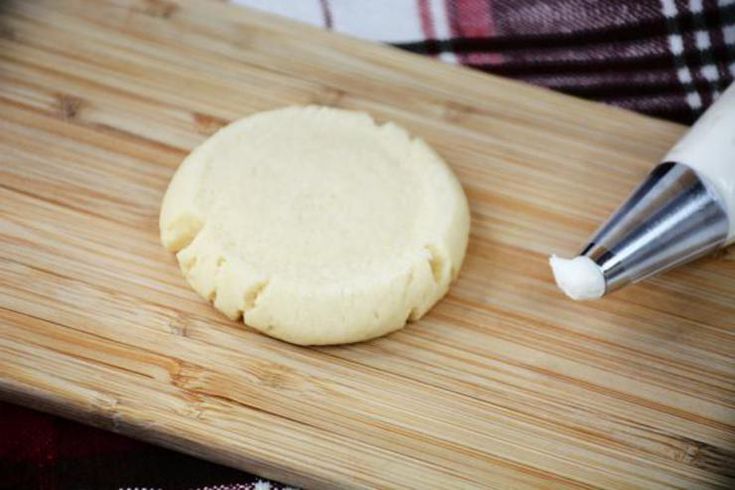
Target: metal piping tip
[(673, 217)]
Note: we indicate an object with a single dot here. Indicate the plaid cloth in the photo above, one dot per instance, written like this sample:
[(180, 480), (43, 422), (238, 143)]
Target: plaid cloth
[(667, 58), (40, 451)]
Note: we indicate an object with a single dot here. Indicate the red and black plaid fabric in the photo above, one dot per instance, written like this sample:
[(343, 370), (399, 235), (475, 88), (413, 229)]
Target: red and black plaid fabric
[(40, 451), (668, 58), (665, 58)]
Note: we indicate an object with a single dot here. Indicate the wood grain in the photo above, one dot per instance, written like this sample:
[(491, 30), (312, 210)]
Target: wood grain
[(505, 384)]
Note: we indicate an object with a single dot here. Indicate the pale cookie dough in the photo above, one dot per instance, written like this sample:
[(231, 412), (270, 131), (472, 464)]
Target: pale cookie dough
[(317, 225)]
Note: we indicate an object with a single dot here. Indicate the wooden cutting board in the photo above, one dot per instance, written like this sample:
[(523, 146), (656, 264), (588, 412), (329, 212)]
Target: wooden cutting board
[(504, 384)]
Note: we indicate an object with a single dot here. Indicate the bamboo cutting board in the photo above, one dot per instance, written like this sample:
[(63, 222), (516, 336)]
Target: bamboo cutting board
[(504, 384)]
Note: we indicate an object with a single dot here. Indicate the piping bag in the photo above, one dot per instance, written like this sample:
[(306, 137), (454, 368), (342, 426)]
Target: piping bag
[(683, 210)]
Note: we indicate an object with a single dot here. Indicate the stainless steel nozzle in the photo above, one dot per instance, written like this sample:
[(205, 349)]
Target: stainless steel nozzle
[(673, 217)]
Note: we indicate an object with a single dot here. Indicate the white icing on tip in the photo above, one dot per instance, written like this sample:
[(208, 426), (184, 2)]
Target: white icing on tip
[(579, 278)]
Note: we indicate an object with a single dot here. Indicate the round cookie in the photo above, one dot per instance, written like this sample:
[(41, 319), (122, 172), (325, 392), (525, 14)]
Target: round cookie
[(316, 225)]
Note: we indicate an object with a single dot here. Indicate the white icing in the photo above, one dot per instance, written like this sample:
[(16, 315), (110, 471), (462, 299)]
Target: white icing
[(579, 278)]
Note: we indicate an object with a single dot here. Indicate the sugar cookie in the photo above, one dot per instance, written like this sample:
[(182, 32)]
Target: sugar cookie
[(316, 225)]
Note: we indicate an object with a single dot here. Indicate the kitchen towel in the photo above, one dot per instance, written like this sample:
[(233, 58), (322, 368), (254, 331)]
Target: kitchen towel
[(666, 58)]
